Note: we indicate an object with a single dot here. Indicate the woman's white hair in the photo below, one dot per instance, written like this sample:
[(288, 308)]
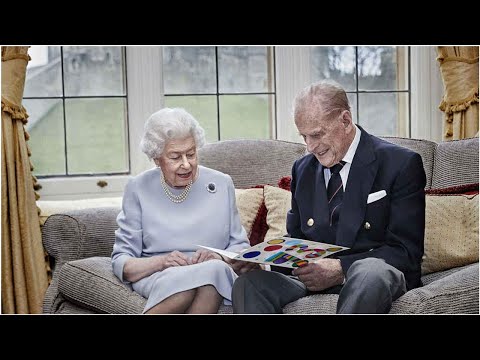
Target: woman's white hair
[(167, 124)]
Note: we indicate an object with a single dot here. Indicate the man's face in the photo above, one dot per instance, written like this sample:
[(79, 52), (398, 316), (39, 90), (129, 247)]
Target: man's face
[(327, 139)]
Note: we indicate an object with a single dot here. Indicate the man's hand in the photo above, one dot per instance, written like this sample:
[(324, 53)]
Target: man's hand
[(321, 274), (241, 267)]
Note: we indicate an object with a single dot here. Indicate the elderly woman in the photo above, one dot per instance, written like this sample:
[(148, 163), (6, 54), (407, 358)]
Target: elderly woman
[(167, 212)]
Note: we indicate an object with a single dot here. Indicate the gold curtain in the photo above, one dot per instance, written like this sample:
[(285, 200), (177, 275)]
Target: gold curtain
[(24, 276), (459, 69)]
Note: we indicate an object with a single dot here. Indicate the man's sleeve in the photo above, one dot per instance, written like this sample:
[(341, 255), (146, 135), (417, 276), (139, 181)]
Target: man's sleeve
[(404, 234)]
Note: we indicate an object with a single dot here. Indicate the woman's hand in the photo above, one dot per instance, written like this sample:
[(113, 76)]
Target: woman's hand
[(202, 255), (175, 258), (241, 267)]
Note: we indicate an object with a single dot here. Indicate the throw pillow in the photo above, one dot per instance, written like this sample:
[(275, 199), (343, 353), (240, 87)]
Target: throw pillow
[(249, 202), (278, 202), (259, 227), (451, 232), (467, 189), (284, 182)]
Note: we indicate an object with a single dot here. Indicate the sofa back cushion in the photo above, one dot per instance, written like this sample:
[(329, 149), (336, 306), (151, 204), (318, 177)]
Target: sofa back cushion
[(252, 162), (425, 148), (456, 163)]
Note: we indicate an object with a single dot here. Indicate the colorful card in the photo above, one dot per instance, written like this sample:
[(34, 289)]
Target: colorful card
[(284, 251)]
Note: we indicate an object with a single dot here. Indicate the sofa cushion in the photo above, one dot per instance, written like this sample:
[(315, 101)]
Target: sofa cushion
[(278, 203), (249, 202), (429, 278), (313, 304), (456, 293), (91, 283), (451, 232), (456, 163), (252, 162), (259, 227), (426, 149)]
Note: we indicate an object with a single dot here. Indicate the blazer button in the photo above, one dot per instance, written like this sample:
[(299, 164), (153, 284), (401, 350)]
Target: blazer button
[(367, 226), (310, 222)]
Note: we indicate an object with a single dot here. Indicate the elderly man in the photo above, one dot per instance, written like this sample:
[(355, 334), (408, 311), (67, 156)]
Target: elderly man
[(355, 190)]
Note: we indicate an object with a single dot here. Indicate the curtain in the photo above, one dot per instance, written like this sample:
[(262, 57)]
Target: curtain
[(24, 276), (459, 69)]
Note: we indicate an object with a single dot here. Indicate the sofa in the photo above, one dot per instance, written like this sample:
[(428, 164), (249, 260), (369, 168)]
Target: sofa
[(79, 242)]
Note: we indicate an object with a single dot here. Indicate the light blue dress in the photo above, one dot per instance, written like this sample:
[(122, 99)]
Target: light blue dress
[(150, 224)]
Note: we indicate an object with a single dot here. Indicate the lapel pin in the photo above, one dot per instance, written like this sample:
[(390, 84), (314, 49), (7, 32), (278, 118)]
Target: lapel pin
[(211, 187)]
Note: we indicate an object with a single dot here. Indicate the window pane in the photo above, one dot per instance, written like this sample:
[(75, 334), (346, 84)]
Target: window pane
[(334, 62), (203, 108), (45, 126), (245, 69), (96, 135), (44, 72), (93, 70), (384, 114), (352, 99), (246, 116), (189, 69), (378, 68)]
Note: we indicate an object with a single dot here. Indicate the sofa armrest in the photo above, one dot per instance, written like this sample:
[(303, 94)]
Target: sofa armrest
[(456, 293), (80, 234), (75, 235)]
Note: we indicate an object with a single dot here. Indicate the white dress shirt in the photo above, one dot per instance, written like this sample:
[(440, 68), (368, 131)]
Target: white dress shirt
[(348, 158)]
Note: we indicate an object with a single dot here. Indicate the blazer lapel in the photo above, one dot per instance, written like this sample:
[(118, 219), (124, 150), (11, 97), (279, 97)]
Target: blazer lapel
[(360, 180), (320, 207), (313, 198)]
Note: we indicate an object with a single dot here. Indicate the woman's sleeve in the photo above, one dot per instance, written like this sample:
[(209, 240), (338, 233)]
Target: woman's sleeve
[(238, 236), (128, 236)]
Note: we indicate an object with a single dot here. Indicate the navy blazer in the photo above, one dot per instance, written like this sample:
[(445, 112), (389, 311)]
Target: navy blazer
[(397, 221)]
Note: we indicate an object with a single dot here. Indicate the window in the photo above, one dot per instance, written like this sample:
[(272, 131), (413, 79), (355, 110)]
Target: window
[(230, 90), (77, 101)]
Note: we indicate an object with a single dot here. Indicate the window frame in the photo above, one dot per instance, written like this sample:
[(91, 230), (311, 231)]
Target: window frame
[(292, 70)]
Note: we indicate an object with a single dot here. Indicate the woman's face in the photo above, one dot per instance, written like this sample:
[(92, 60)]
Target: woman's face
[(179, 162)]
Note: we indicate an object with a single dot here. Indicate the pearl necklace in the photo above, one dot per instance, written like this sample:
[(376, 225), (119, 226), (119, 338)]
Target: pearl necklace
[(175, 198)]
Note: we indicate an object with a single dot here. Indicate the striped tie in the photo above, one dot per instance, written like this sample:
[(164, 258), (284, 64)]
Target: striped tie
[(335, 197)]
